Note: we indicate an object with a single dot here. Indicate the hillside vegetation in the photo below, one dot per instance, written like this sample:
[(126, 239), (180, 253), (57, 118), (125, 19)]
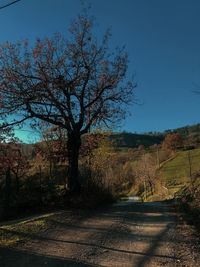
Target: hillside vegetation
[(133, 140), (178, 169), (110, 166), (180, 175)]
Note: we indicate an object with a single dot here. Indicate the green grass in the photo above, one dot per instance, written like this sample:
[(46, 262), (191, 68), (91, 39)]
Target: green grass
[(176, 172)]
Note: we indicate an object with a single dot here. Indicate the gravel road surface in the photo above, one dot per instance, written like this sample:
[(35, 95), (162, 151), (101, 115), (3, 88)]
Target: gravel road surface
[(126, 234)]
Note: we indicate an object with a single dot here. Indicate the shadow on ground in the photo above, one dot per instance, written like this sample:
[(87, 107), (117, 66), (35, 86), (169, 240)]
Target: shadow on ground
[(16, 258), (91, 235)]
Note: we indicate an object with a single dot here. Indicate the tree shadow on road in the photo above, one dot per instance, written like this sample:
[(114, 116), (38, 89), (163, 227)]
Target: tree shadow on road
[(10, 257), (149, 214)]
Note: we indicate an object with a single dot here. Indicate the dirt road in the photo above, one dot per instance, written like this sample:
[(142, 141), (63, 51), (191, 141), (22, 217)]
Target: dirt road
[(125, 234)]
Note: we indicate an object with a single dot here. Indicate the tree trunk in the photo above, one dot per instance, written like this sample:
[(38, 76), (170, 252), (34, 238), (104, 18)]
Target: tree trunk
[(50, 170), (40, 183), (151, 187), (7, 193), (17, 183), (73, 147)]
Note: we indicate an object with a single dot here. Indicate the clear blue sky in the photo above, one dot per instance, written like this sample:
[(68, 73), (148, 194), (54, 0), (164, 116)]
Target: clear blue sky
[(162, 38)]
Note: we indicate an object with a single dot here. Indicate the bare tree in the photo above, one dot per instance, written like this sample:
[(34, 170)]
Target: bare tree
[(11, 156), (74, 84), (146, 171), (9, 4), (52, 147), (12, 161)]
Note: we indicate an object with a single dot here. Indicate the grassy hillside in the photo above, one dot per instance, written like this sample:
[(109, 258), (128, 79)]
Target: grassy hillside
[(177, 170), (174, 176)]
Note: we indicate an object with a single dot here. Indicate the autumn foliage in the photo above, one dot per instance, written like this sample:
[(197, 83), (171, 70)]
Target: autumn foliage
[(173, 141)]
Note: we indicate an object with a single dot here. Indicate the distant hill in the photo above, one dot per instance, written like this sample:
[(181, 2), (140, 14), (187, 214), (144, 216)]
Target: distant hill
[(190, 133), (190, 130), (132, 140)]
